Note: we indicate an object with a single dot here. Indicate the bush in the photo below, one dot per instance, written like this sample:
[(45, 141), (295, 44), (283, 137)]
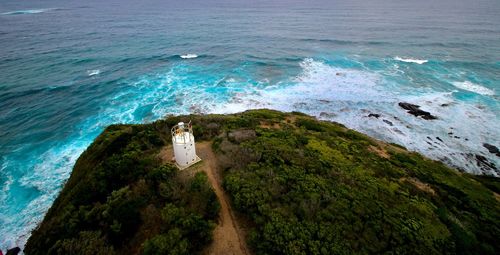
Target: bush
[(109, 203), (318, 188), (305, 186), (170, 243)]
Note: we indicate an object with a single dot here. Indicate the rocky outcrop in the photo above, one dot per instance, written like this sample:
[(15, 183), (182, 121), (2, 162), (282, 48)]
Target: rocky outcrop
[(388, 122), (415, 110), (492, 149), (484, 163), (328, 115), (13, 251)]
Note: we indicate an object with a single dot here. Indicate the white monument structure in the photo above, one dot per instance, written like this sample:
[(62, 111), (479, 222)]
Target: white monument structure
[(183, 144)]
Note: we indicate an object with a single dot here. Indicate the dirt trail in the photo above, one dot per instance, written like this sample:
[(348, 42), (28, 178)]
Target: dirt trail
[(228, 237)]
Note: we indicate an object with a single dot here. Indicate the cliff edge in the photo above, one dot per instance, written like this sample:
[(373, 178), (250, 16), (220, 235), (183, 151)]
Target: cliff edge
[(290, 184)]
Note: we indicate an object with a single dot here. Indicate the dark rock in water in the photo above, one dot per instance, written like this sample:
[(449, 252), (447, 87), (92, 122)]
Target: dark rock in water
[(374, 115), (444, 105), (414, 109), (325, 101), (398, 131), (408, 106), (450, 133), (388, 122), (492, 149), (437, 137), (241, 135), (196, 109), (429, 138), (458, 137), (483, 161), (327, 115), (13, 251), (299, 105)]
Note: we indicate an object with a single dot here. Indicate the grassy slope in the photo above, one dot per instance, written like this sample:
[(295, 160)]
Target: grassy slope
[(307, 187)]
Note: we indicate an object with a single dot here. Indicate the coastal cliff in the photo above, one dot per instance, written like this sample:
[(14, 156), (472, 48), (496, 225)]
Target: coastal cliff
[(295, 185)]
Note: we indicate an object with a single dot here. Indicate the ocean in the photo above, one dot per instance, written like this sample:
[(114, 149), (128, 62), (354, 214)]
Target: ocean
[(70, 68)]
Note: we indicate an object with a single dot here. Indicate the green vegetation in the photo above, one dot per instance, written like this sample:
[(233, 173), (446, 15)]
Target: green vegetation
[(120, 199), (316, 187), (303, 186)]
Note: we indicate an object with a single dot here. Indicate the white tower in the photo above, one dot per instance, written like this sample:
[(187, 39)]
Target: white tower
[(183, 143)]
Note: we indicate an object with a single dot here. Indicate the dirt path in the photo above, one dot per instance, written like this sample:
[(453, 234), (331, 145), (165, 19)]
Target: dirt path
[(228, 236)]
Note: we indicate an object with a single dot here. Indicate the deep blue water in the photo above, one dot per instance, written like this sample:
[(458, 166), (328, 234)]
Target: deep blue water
[(70, 68)]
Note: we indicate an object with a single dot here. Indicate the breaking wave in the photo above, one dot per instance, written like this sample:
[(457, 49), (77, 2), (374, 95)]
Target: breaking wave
[(476, 88), (93, 72), (411, 60), (335, 92), (32, 11), (348, 96), (188, 56)]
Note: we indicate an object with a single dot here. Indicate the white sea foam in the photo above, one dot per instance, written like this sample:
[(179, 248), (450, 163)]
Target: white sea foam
[(319, 85), (328, 92), (6, 184), (32, 11), (476, 88), (411, 60), (93, 72), (348, 96), (49, 171), (187, 56)]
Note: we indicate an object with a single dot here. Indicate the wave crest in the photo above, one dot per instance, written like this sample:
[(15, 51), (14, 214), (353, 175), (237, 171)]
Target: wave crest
[(476, 88), (93, 72), (412, 60), (31, 11), (188, 56)]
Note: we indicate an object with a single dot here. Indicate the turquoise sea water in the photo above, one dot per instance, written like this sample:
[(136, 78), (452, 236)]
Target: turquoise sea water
[(70, 68)]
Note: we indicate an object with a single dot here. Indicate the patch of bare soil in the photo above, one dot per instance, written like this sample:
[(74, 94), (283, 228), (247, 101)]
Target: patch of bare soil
[(497, 197), (291, 119), (167, 154), (381, 152), (420, 185), (268, 125)]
